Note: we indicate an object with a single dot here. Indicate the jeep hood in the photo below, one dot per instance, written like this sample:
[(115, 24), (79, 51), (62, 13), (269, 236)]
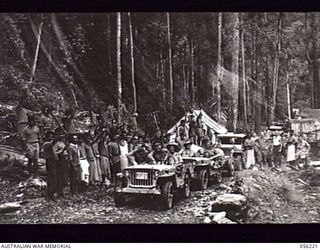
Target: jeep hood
[(159, 167)]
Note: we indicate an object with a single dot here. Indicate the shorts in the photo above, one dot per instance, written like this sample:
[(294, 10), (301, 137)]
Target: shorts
[(32, 151)]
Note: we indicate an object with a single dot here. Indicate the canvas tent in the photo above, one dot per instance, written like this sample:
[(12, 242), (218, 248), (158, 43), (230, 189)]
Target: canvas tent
[(208, 123)]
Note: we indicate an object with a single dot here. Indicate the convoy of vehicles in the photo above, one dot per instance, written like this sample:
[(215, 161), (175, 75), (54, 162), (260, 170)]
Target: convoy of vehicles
[(164, 181)]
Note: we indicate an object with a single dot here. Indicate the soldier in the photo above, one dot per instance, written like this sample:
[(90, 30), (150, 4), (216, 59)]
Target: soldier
[(31, 139), (115, 160), (94, 169), (22, 117), (199, 129), (192, 129), (74, 160), (140, 154), (303, 150), (159, 154), (69, 121), (45, 122), (277, 148), (51, 165), (173, 157), (187, 151), (291, 148)]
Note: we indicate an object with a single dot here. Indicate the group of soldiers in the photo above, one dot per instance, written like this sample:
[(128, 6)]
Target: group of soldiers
[(78, 159), (73, 158), (273, 148)]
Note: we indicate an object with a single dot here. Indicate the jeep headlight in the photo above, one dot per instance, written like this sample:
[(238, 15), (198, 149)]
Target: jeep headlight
[(156, 173), (126, 173)]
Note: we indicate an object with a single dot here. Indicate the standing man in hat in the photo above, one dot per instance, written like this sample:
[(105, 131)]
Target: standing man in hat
[(31, 139), (192, 129)]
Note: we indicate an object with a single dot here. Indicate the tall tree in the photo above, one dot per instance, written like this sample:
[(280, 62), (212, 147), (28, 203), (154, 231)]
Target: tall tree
[(170, 61), (132, 71), (315, 90), (276, 69), (119, 82), (235, 68), (36, 54), (219, 66), (192, 87), (244, 89)]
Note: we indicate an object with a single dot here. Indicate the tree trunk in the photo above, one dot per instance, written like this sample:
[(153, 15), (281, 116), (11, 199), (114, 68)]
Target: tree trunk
[(132, 72), (199, 97), (50, 49), (192, 72), (219, 65), (170, 62), (36, 54), (235, 69), (276, 70), (267, 96), (119, 66), (258, 85), (184, 82), (314, 61), (244, 79), (109, 69), (163, 82)]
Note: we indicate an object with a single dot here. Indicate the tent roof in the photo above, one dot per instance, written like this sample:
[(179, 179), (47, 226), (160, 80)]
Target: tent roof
[(206, 119)]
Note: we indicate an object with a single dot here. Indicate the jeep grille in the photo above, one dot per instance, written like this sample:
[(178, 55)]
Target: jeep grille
[(136, 181)]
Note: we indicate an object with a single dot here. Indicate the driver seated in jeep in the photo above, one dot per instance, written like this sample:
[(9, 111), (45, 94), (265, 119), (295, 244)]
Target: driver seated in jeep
[(140, 154), (173, 157), (187, 151), (216, 151), (158, 155)]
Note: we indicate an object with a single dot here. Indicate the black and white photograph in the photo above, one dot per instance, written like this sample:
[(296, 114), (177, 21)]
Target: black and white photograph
[(160, 118)]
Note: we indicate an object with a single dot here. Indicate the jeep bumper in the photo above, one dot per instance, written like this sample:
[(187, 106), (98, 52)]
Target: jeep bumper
[(129, 190)]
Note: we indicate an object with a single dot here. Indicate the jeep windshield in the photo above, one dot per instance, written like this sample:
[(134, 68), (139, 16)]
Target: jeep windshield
[(231, 140)]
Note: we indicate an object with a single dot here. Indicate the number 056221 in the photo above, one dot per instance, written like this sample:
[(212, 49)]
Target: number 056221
[(308, 246)]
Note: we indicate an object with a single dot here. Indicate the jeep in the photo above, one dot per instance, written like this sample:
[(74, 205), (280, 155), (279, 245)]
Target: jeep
[(232, 145), (159, 180), (202, 170)]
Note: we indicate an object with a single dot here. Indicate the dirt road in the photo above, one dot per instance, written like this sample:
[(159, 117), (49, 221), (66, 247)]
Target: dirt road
[(287, 196)]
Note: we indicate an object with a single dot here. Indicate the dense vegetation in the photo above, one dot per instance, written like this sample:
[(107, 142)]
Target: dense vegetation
[(176, 62)]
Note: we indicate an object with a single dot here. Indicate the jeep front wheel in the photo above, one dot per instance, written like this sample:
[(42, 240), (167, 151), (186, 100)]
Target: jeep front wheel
[(203, 179), (167, 195), (119, 200)]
